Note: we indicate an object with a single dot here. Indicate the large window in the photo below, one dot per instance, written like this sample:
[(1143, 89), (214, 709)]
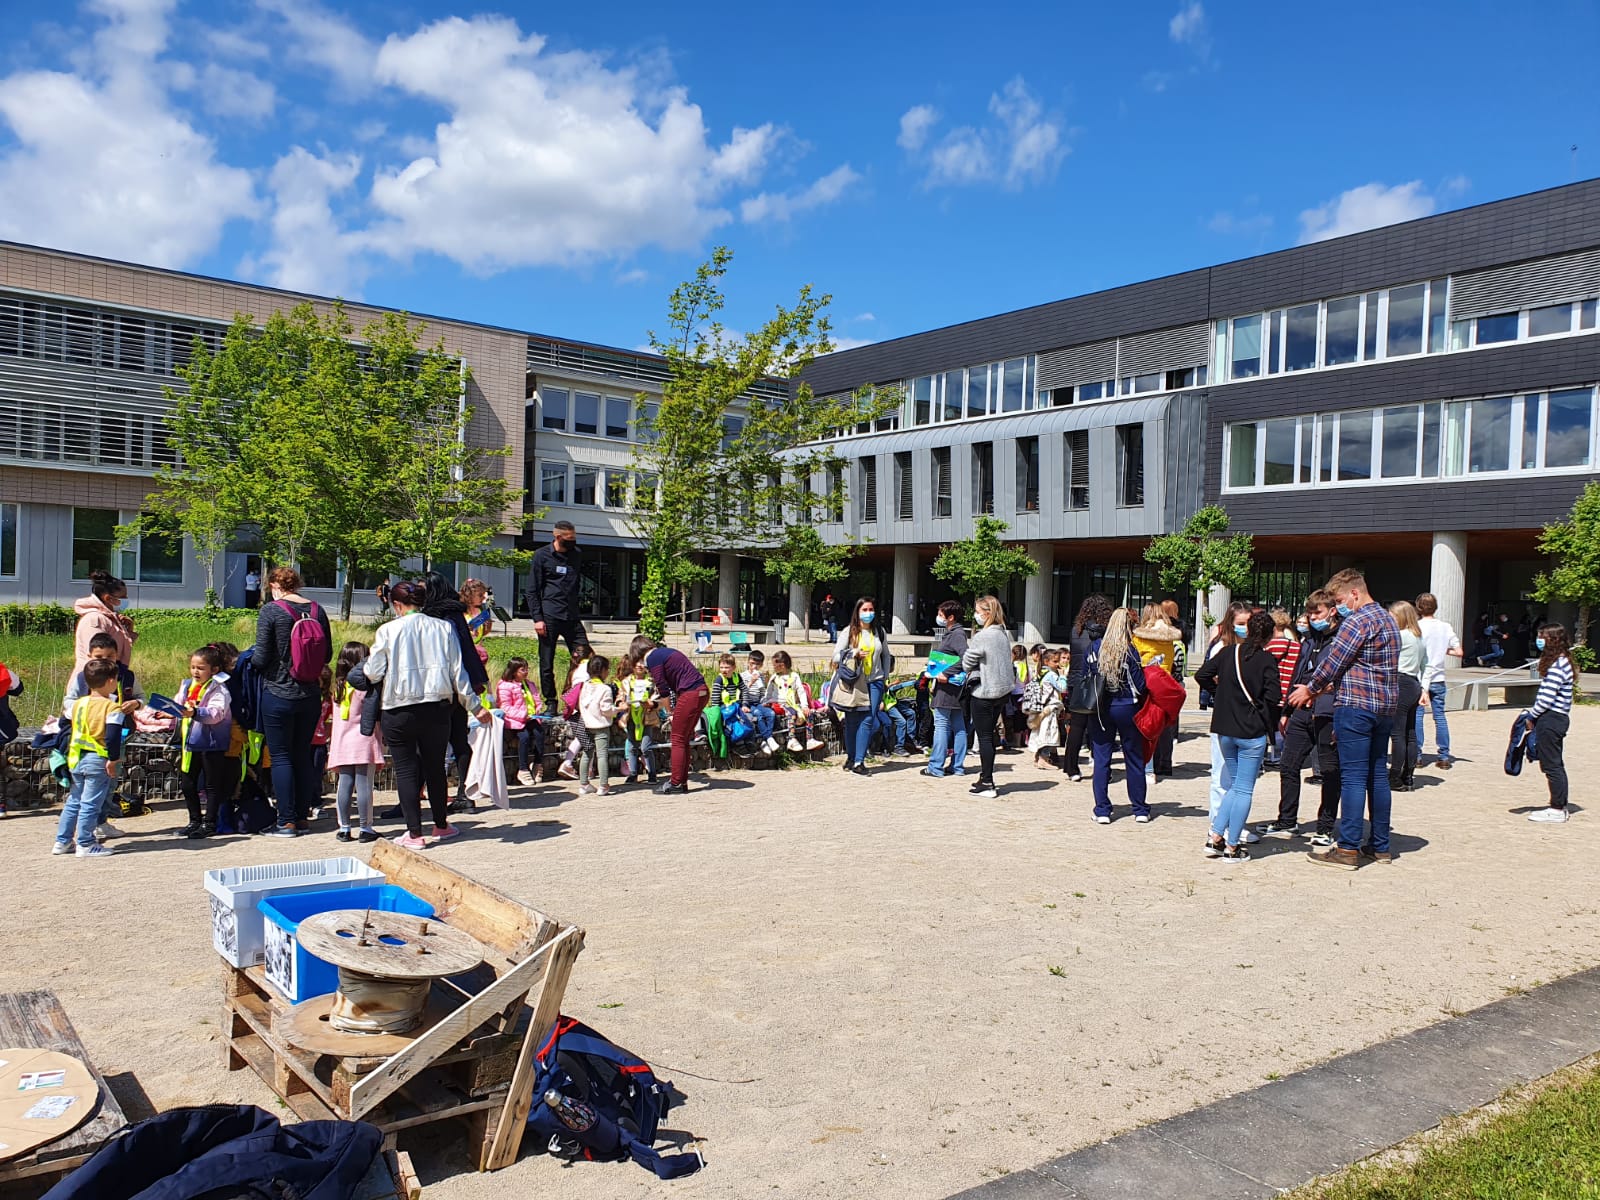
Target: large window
[(904, 487), (1398, 458), (616, 489), (552, 483), (999, 387), (955, 395), (983, 478), (1027, 475), (1404, 329), (1342, 336), (585, 482), (940, 459), (616, 418), (147, 559), (1130, 466), (1568, 429), (8, 540), (585, 412), (1075, 469), (1355, 446), (1300, 338), (1242, 441), (645, 421), (1282, 442), (554, 402), (1246, 343), (1490, 438)]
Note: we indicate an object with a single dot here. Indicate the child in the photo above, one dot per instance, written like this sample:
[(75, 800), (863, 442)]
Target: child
[(899, 725), (1013, 724), (1551, 713), (524, 713), (1285, 647), (320, 736), (1046, 723), (787, 692), (10, 686), (597, 708), (354, 756), (104, 647), (577, 673), (641, 717), (204, 733), (98, 728)]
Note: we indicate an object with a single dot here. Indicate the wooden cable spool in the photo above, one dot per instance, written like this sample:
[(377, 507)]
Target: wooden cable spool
[(387, 963)]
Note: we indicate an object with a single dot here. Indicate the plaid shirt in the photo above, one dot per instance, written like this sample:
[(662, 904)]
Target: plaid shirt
[(1364, 657)]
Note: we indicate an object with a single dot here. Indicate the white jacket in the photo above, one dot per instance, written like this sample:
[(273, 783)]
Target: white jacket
[(597, 707), (418, 660)]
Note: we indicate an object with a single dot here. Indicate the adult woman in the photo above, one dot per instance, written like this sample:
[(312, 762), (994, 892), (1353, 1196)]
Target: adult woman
[(949, 722), (1088, 629), (989, 655), (1551, 719), (1244, 681), (440, 601), (97, 613), (418, 660), (1223, 640), (1115, 660), (678, 679), (860, 652), (1403, 749), (290, 708)]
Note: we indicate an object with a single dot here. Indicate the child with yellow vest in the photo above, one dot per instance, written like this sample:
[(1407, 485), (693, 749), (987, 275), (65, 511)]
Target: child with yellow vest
[(205, 734), (98, 728)]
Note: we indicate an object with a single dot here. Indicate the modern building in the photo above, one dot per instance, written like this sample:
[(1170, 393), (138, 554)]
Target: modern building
[(1417, 399)]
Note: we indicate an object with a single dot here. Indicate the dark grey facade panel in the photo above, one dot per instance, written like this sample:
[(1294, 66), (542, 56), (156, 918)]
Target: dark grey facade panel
[(1185, 434)]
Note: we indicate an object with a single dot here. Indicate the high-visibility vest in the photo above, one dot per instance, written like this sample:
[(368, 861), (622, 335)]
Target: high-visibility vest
[(83, 742)]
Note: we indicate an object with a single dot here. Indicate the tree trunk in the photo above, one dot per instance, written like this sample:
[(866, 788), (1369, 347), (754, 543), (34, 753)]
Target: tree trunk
[(347, 597), (1580, 636)]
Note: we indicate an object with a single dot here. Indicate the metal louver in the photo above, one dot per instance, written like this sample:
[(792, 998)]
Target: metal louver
[(1164, 350), (906, 492), (1078, 364), (869, 489), (1526, 285)]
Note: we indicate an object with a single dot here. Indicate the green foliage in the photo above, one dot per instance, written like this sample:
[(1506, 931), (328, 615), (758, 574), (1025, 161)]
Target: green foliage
[(1199, 557), (18, 619), (982, 565), (1585, 658), (803, 558), (1575, 545), (734, 456)]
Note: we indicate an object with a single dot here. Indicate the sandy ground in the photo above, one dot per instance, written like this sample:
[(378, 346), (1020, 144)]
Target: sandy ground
[(883, 985)]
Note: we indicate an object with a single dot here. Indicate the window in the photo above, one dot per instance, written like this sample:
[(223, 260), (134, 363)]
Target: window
[(1531, 409), (983, 477), (955, 395), (616, 492), (94, 533), (1369, 337), (160, 559), (1586, 315), (1499, 328), (1430, 440), (1355, 445), (585, 412), (941, 482), (584, 480), (644, 496), (732, 427), (1133, 385), (1104, 390), (1342, 335), (836, 494), (1075, 460), (552, 483), (554, 403), (1398, 457), (868, 468), (1282, 439), (1556, 318), (1246, 352), (1242, 455), (978, 391), (8, 540), (1027, 475), (616, 418), (1490, 447), (644, 426), (1015, 371), (1187, 377), (1438, 292), (1404, 327), (1130, 466), (904, 487), (1567, 434), (319, 570), (922, 399)]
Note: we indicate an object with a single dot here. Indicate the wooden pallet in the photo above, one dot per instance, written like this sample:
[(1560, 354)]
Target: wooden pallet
[(471, 1059)]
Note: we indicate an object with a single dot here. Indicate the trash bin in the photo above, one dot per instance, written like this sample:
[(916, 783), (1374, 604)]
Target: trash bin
[(779, 630)]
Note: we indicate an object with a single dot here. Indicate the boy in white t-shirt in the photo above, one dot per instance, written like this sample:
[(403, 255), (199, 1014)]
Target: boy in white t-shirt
[(1441, 643)]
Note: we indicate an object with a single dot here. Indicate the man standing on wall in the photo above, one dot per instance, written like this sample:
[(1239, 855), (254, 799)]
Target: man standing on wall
[(1442, 643), (829, 611), (553, 603), (1363, 662)]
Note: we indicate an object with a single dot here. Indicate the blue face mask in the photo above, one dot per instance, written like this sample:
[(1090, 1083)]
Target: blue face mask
[(1240, 631), (939, 620), (866, 618), (1343, 610), (1539, 643), (1321, 626), (1301, 626)]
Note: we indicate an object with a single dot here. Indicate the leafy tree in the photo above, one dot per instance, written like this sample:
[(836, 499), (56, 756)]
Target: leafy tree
[(1575, 545), (1199, 557), (737, 436), (982, 565), (804, 558)]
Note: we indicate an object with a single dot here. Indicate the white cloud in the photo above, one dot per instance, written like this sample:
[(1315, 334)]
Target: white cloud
[(103, 164), (1033, 141), (842, 342), (915, 124), (1365, 207), (326, 40), (962, 156), (782, 206), (548, 158), (1231, 223), (310, 252), (1188, 28), (226, 92), (1022, 144)]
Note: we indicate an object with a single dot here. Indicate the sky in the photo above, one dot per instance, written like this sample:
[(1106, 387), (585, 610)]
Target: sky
[(559, 168)]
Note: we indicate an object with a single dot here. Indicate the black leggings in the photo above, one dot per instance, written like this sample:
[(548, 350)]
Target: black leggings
[(1071, 762), (1403, 740), (460, 744), (985, 713), (417, 735), (1552, 730), (213, 764)]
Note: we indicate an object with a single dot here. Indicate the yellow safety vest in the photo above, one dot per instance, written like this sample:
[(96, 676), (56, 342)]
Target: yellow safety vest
[(83, 742)]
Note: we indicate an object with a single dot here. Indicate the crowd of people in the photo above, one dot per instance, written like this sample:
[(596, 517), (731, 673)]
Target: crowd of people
[(1341, 686)]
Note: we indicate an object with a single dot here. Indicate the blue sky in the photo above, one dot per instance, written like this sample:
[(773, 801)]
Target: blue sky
[(559, 167)]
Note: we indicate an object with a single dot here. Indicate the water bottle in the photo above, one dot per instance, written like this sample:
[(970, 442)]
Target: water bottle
[(574, 1114)]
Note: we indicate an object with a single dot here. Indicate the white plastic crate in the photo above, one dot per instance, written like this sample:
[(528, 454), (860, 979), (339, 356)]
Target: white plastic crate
[(236, 924)]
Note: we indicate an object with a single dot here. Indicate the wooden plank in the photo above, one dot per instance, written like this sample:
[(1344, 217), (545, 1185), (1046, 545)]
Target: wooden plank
[(408, 1185), (492, 917), (372, 1088), (289, 1063), (258, 1055), (507, 1141)]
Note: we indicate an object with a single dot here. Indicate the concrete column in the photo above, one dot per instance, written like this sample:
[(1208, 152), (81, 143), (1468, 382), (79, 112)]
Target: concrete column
[(728, 584), (799, 601), (1038, 594), (1448, 581), (1215, 604), (903, 609)]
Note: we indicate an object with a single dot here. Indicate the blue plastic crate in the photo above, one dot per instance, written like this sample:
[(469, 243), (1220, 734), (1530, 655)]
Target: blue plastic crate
[(299, 975)]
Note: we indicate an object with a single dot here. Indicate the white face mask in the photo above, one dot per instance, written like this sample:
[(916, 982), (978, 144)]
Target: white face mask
[(939, 620)]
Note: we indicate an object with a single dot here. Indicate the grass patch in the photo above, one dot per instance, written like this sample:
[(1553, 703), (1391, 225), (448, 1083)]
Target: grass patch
[(1542, 1140)]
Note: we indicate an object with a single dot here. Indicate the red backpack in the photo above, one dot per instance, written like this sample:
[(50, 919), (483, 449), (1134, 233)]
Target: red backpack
[(309, 648)]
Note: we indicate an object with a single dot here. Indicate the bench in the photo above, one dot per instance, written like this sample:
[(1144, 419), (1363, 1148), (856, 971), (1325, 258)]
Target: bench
[(1474, 696), (739, 640)]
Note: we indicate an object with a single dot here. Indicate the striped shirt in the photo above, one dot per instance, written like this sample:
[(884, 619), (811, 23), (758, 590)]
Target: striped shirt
[(1364, 658), (1555, 689), (1287, 651)]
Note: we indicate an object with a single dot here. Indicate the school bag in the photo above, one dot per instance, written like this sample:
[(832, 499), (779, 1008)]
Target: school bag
[(309, 648), (1035, 696), (609, 1103)]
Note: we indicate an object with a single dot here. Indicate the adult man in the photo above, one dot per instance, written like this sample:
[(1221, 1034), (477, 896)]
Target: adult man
[(829, 611), (1441, 642), (252, 587), (1309, 730), (553, 602), (1364, 662)]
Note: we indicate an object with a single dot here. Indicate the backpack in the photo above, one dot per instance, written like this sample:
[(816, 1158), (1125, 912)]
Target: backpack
[(309, 648), (609, 1102), (1035, 697)]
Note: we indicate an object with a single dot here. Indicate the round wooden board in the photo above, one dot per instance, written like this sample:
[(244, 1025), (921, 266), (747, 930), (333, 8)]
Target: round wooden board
[(306, 1026), (42, 1082), (399, 946)]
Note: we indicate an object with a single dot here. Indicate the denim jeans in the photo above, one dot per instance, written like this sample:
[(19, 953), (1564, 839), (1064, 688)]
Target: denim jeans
[(898, 733), (289, 726), (640, 752), (764, 720), (949, 737), (1363, 739), (81, 813), (1441, 727), (1241, 766), (1104, 733), (530, 746), (865, 727)]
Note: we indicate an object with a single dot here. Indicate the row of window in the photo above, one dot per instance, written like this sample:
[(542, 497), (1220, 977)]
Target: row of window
[(588, 487), (1493, 435), (1545, 321), (145, 560), (569, 411), (98, 338)]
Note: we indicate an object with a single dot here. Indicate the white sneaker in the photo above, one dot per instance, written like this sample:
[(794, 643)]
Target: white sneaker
[(813, 744), (1549, 816), (105, 831), (605, 791), (585, 790), (986, 792), (566, 770), (1142, 819), (1102, 820), (771, 745), (1323, 839), (95, 851), (794, 746), (61, 848), (1249, 837)]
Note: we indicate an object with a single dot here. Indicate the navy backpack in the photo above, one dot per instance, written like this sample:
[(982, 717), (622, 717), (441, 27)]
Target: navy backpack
[(611, 1103)]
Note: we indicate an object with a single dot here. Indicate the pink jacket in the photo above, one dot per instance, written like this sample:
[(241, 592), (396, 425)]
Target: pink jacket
[(94, 617), (513, 702), (347, 746)]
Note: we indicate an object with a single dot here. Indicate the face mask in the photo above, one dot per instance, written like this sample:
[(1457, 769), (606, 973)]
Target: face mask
[(939, 620), (1321, 626), (1342, 609), (866, 618), (1539, 642), (1240, 631), (1301, 626)]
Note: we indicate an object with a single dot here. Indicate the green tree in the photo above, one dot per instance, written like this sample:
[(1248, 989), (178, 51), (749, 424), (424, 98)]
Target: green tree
[(737, 436), (803, 558), (1200, 557), (983, 565), (1575, 545)]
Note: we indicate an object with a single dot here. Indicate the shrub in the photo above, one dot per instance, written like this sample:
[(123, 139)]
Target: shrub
[(20, 619)]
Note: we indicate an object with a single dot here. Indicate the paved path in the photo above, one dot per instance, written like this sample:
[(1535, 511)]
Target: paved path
[(1282, 1134)]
